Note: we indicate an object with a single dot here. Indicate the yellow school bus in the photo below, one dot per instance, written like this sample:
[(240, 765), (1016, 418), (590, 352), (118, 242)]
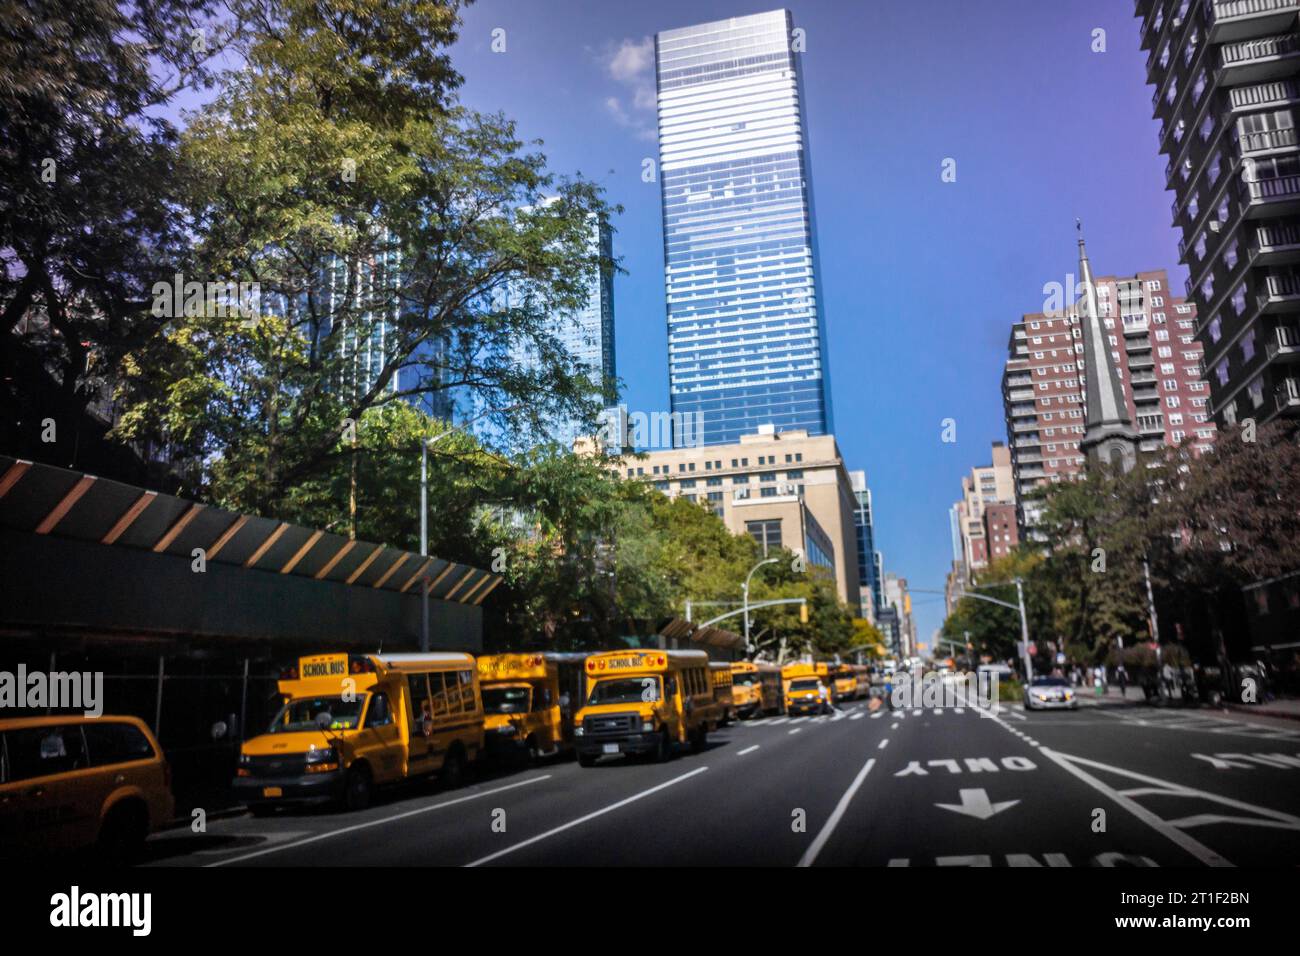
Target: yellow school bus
[(723, 691), (644, 702), (352, 722), (527, 702), (844, 682), (755, 688), (805, 688), (863, 675)]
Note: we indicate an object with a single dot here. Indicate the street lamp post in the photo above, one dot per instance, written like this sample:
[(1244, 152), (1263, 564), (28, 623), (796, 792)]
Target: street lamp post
[(424, 513), (749, 648)]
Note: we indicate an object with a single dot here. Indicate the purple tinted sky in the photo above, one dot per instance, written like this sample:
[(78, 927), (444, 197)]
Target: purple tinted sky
[(921, 278)]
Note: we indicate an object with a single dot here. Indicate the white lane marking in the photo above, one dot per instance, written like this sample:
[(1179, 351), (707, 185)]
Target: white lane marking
[(893, 726), (583, 819), (883, 744), (938, 710), (810, 855), (916, 712), (796, 730), (778, 720), (959, 710), (877, 715), (747, 750), (799, 720), (1016, 715), (841, 716), (374, 823), (858, 716), (975, 803), (1164, 828)]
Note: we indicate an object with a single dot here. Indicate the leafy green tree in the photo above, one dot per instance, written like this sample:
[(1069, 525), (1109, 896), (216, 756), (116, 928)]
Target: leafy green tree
[(88, 194), (337, 172)]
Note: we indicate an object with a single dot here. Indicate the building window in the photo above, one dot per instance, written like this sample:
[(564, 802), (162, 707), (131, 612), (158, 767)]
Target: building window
[(766, 533)]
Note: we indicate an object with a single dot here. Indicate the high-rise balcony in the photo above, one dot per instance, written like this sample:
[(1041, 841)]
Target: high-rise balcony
[(1270, 197), (1275, 244), (1279, 293), (1253, 61), (1142, 378), (1284, 344), (1268, 139), (1141, 360), (1228, 20), (1286, 397), (1264, 95)]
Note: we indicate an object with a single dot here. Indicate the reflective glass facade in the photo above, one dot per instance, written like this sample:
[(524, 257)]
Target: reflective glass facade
[(746, 336)]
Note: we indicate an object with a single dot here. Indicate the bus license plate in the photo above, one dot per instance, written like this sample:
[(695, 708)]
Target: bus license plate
[(611, 748), (272, 792)]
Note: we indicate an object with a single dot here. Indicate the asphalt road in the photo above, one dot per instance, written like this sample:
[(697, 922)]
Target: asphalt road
[(1108, 785)]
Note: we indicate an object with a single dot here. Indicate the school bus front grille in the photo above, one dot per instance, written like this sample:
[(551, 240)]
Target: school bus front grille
[(611, 724), (289, 765)]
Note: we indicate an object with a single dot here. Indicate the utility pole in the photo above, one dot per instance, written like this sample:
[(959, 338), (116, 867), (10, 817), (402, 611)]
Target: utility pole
[(1024, 631)]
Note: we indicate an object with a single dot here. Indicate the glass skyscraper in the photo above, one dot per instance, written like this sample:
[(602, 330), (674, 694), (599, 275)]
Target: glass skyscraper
[(746, 333)]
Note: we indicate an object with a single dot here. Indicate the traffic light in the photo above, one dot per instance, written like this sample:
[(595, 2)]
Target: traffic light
[(803, 613)]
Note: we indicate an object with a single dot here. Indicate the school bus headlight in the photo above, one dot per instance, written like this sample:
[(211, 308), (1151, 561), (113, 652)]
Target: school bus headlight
[(647, 726), (507, 729), (322, 760), (579, 730)]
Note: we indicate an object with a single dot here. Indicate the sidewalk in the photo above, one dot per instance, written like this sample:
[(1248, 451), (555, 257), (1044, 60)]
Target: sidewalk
[(1288, 708)]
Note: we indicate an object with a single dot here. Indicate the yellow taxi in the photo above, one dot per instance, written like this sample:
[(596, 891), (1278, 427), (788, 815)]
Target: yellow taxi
[(70, 782)]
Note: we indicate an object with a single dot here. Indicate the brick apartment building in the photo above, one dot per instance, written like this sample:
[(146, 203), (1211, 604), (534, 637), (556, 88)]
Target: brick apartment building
[(1151, 333)]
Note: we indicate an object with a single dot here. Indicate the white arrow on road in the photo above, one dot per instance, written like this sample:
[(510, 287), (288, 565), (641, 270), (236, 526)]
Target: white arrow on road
[(975, 803)]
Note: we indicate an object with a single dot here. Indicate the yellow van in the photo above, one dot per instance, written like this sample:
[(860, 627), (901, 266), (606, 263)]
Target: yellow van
[(352, 722), (70, 782), (645, 702), (723, 694), (805, 688), (528, 702)]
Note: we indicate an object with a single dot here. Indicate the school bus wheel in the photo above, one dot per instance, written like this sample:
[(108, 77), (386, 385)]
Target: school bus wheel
[(453, 768), (357, 787)]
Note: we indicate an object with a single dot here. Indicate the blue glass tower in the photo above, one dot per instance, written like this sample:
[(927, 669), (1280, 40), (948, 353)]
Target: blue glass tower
[(746, 333)]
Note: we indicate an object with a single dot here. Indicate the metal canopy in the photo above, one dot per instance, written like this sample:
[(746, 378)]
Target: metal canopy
[(42, 499)]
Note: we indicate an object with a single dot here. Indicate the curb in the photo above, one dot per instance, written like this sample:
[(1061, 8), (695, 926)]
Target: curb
[(1264, 711)]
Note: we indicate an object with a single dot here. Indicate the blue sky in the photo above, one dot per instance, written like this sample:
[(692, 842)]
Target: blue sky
[(921, 278)]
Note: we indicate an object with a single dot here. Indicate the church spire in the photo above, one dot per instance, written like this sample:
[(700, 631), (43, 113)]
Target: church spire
[(1109, 436)]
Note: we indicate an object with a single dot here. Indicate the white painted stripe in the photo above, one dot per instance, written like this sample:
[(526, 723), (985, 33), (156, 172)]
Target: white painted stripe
[(893, 726), (959, 710), (747, 750), (857, 716), (374, 823), (583, 819), (877, 715), (916, 712), (810, 855), (1194, 847), (883, 744)]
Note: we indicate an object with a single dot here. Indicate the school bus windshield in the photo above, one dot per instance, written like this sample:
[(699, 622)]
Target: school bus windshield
[(809, 684), (301, 714), (505, 700), (625, 690), (745, 679)]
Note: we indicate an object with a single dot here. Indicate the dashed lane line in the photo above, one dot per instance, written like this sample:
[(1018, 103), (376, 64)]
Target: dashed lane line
[(583, 819), (374, 823)]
